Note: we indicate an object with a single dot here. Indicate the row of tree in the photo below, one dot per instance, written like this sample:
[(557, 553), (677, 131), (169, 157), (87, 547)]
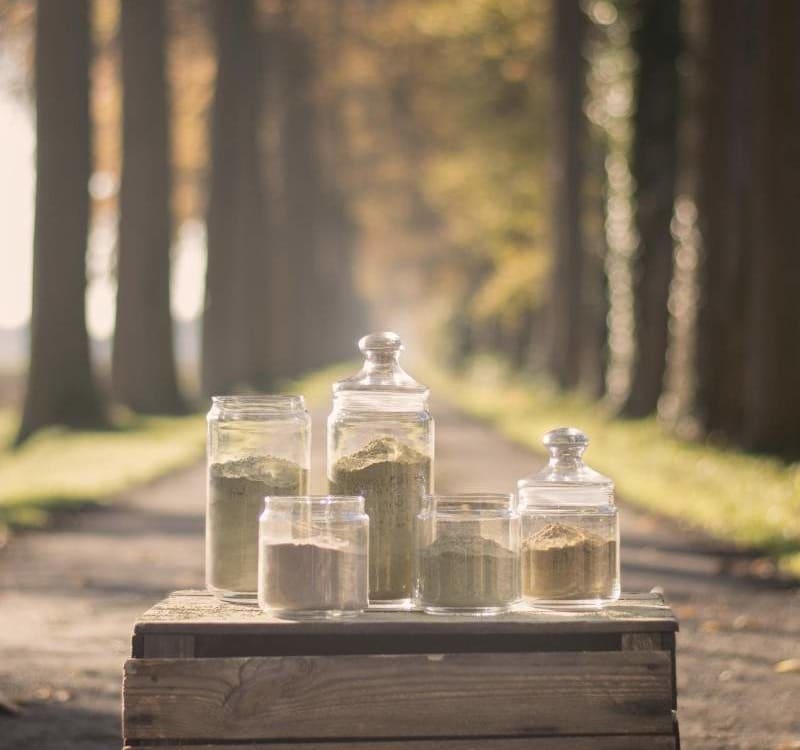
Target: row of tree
[(279, 296), (599, 191), (730, 135)]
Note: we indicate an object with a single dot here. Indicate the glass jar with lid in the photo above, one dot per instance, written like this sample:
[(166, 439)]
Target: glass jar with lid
[(313, 553), (570, 529), (468, 554), (257, 446), (380, 446)]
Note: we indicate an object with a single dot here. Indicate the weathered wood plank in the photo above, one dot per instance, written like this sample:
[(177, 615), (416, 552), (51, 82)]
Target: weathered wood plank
[(167, 646), (329, 644), (609, 742), (411, 695), (199, 613), (641, 641)]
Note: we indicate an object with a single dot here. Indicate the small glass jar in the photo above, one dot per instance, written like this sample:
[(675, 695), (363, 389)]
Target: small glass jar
[(257, 446), (570, 529), (312, 557), (468, 554), (380, 445)]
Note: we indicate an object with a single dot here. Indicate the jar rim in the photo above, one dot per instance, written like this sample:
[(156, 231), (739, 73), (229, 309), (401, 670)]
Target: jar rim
[(471, 503), (259, 403), (316, 502)]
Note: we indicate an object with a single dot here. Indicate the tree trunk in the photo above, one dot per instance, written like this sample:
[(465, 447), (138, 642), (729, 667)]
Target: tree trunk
[(143, 364), (725, 212), (308, 261), (236, 320), (61, 389), (595, 349), (772, 370), (657, 43), (569, 126)]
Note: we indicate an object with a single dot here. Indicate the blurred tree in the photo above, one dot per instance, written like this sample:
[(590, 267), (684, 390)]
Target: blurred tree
[(568, 138), (236, 344), (61, 389), (594, 312), (302, 198), (143, 364), (657, 44), (772, 395), (338, 227), (726, 168)]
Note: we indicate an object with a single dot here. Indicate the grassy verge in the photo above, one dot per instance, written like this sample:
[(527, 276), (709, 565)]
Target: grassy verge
[(750, 501), (59, 469)]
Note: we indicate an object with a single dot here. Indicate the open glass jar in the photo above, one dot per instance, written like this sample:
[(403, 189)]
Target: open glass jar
[(380, 446), (313, 553), (257, 446), (570, 529), (468, 554)]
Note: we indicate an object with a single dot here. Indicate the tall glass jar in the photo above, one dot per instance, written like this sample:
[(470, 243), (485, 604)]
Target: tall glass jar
[(570, 529), (313, 556), (468, 554), (380, 445), (257, 446)]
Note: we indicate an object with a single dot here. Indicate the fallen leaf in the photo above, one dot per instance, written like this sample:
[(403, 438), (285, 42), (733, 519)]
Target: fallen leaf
[(7, 706), (787, 665)]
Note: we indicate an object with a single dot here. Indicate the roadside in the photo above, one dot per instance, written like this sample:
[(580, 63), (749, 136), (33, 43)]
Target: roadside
[(68, 599), (746, 500), (59, 469)]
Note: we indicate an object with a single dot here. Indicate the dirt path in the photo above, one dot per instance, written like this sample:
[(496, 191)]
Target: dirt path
[(68, 599)]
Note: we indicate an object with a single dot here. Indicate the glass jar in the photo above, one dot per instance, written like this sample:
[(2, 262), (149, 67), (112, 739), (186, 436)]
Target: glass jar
[(257, 446), (570, 529), (380, 445), (312, 556), (468, 554)]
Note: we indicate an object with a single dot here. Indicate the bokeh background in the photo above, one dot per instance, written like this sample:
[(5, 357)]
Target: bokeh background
[(574, 212), (592, 201)]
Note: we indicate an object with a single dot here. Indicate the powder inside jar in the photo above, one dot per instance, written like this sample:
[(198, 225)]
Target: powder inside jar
[(561, 561), (468, 571), (393, 478), (236, 492), (313, 576)]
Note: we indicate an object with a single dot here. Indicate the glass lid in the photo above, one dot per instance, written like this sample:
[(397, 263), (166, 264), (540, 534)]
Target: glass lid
[(566, 468), (381, 370)]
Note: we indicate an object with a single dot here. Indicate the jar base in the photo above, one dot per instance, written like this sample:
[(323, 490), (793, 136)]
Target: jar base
[(236, 597), (469, 611), (312, 614), (568, 604), (390, 605)]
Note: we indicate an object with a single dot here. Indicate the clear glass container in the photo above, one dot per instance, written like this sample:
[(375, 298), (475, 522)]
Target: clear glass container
[(380, 445), (468, 554), (257, 446), (570, 529), (312, 556)]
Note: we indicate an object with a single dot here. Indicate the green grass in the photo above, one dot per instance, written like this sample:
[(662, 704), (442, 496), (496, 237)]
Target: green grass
[(316, 386), (749, 501), (58, 468)]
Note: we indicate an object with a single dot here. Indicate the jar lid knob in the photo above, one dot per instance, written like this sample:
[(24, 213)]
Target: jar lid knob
[(565, 437), (383, 341)]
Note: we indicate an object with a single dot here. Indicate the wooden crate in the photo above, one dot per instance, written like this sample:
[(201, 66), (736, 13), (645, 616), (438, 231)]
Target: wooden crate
[(216, 677)]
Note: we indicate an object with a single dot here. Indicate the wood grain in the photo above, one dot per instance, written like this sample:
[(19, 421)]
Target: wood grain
[(168, 646), (610, 742), (410, 695), (199, 613), (641, 641)]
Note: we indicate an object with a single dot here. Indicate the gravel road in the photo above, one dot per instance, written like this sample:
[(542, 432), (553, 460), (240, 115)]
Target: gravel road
[(69, 596)]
